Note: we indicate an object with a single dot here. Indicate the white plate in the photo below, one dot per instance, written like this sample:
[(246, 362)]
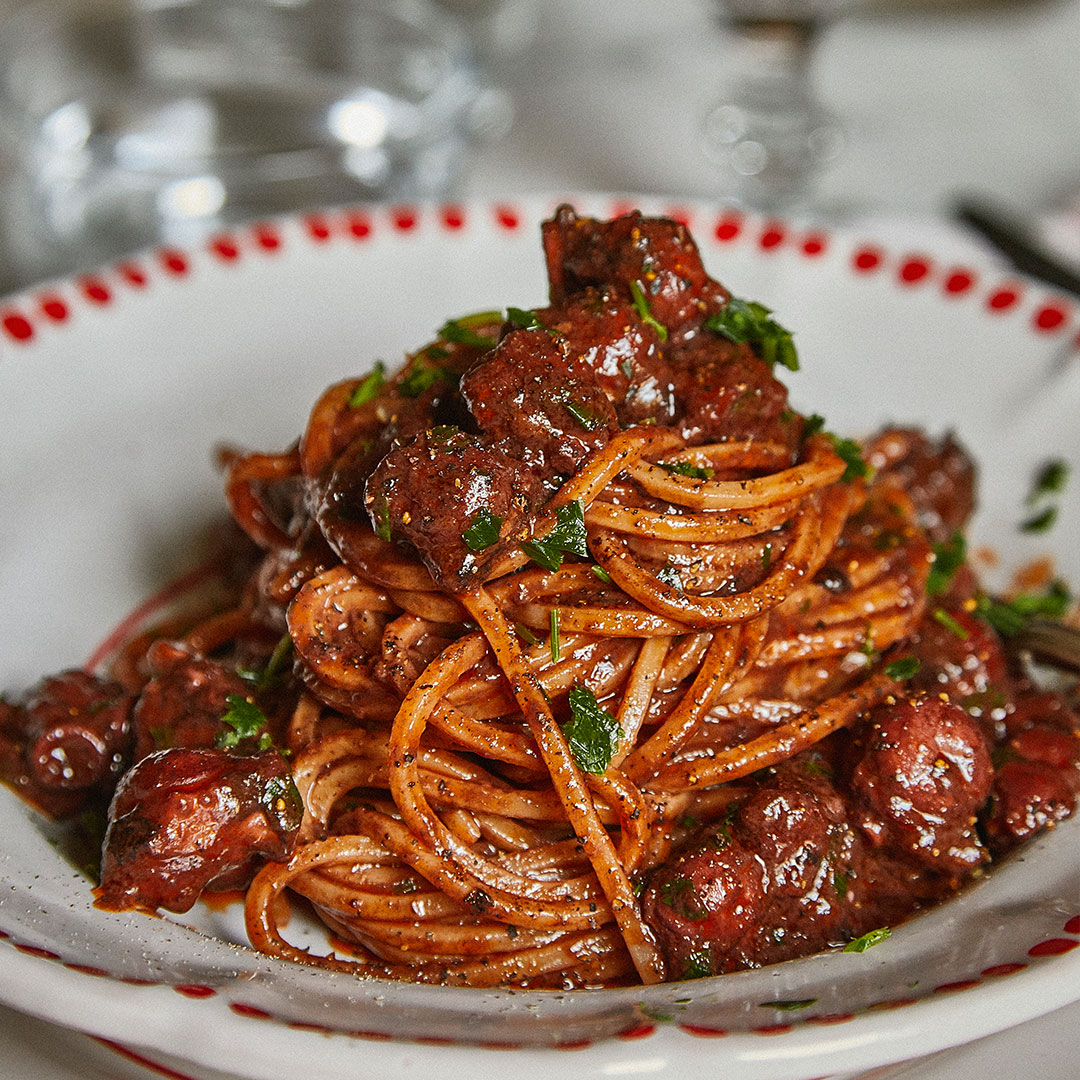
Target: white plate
[(116, 387)]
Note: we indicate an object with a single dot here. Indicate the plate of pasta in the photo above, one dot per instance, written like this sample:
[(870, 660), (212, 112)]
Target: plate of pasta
[(591, 631)]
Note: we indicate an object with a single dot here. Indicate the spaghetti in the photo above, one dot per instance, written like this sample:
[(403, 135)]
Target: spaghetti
[(556, 606)]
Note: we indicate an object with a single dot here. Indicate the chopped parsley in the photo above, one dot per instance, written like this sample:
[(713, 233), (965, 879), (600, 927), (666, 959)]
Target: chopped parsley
[(941, 616), (246, 720), (680, 895), (592, 733), (381, 519), (527, 320), (584, 414), (553, 637), (868, 940), (1049, 480), (369, 386), (698, 965), (746, 322), (686, 468), (850, 454), (814, 423), (526, 634), (483, 531), (422, 376), (949, 556), (461, 331), (269, 674), (841, 881), (1010, 617), (643, 309), (1041, 521), (567, 537), (904, 668)]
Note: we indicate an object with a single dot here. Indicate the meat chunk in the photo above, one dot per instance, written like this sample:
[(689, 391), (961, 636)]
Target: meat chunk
[(778, 880), (539, 404), (183, 704), (454, 498), (1038, 772), (654, 257), (623, 352), (923, 775), (67, 743), (729, 393), (938, 476), (184, 821)]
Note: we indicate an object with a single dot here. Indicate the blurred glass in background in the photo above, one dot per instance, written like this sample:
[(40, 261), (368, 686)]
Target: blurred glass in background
[(129, 122)]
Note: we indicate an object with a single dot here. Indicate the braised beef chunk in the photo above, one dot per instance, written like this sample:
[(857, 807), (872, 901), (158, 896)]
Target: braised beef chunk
[(922, 776), (184, 821), (786, 875), (183, 704), (454, 498), (1037, 778), (961, 656), (539, 404), (938, 476), (67, 742), (653, 257), (728, 393), (624, 353)]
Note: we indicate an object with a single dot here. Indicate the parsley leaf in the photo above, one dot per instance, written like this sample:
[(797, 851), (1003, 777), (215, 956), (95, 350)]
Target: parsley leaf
[(1010, 617), (592, 733), (904, 668), (246, 719), (868, 940), (746, 322), (1049, 480), (422, 375), (948, 558), (1041, 521), (698, 965), (686, 468), (381, 519), (483, 531), (642, 305), (461, 332), (568, 536), (788, 1006), (850, 454), (369, 386), (524, 318)]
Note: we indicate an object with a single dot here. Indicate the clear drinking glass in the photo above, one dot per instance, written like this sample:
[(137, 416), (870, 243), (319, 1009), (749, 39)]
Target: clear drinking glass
[(131, 121), (767, 132)]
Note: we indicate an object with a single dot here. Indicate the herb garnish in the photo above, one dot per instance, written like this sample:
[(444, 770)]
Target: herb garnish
[(553, 637), (680, 895), (483, 531), (269, 674), (904, 668), (940, 615), (246, 719), (686, 468), (527, 320), (746, 322), (1049, 480), (670, 577), (584, 414), (949, 556), (698, 965), (369, 386), (601, 573), (422, 376), (592, 733), (642, 305), (788, 1006), (567, 537), (461, 332), (1010, 617), (1041, 521), (381, 514), (868, 940), (849, 452)]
